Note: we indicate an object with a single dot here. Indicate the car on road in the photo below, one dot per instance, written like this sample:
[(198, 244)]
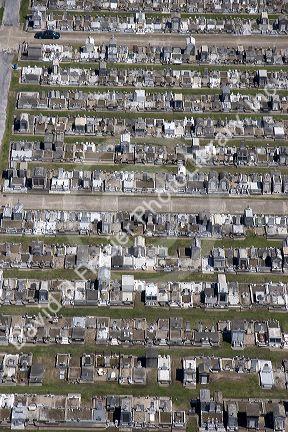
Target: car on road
[(47, 34)]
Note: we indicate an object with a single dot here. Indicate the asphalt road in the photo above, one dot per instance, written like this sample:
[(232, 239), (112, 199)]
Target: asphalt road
[(11, 13), (11, 38), (131, 39), (117, 202), (5, 77)]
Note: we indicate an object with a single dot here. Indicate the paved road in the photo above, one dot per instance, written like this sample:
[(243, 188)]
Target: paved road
[(11, 13), (178, 40), (166, 39), (12, 37), (117, 203), (5, 77)]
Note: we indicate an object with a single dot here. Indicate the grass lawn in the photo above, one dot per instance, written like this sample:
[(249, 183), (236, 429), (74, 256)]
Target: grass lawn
[(154, 90), (192, 66), (24, 7), (248, 241), (177, 353), (194, 316), (119, 89), (247, 387), (60, 274), (69, 239), (248, 142), (158, 14), (136, 115), (186, 66), (106, 167), (192, 425), (236, 169)]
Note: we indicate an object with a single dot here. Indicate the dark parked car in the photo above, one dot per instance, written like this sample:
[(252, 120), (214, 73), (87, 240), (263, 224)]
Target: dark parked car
[(47, 34)]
